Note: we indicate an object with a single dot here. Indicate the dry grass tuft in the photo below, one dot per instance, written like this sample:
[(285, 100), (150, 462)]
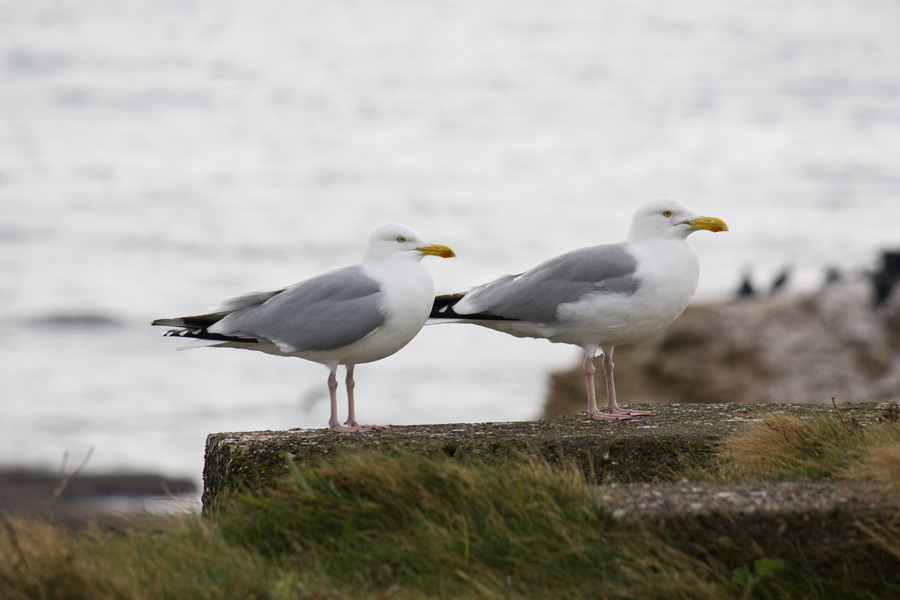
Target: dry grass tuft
[(787, 447), (38, 560), (879, 463)]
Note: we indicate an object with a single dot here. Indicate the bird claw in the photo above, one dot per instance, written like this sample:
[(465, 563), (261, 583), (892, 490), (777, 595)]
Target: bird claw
[(604, 416), (356, 428), (618, 410), (368, 427), (350, 428), (638, 413)]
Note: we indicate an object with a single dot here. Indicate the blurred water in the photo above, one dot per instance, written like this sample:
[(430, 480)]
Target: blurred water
[(157, 157)]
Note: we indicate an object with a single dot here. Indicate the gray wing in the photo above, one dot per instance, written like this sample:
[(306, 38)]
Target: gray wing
[(322, 313), (537, 294)]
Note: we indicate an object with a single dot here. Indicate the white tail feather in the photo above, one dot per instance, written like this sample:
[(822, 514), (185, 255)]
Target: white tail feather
[(199, 344)]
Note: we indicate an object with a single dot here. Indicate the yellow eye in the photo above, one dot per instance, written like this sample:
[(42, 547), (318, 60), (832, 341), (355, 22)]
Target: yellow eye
[(401, 239), (667, 213)]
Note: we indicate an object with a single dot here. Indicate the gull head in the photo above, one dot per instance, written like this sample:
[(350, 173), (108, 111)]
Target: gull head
[(398, 242), (661, 219)]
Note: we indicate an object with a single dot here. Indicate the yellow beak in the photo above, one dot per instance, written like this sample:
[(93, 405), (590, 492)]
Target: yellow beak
[(437, 250), (709, 223)]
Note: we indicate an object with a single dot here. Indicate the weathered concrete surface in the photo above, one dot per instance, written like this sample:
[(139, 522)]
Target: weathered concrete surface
[(655, 448), (830, 524), (833, 524)]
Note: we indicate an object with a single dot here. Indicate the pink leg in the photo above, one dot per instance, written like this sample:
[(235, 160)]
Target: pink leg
[(612, 407), (593, 411), (351, 405), (332, 394), (350, 384)]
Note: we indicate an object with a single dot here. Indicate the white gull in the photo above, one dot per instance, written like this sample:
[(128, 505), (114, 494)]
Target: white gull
[(599, 297), (353, 315)]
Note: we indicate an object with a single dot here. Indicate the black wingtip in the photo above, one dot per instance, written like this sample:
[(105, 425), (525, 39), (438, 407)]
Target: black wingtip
[(443, 308), (168, 322), (203, 334), (192, 322), (197, 327)]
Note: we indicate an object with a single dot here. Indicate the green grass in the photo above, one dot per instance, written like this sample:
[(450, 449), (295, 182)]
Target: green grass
[(401, 525), (370, 526)]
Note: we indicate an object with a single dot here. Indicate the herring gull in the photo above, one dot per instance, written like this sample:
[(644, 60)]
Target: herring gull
[(599, 297), (353, 315)]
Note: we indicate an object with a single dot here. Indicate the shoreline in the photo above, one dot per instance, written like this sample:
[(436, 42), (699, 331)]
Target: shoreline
[(108, 500)]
